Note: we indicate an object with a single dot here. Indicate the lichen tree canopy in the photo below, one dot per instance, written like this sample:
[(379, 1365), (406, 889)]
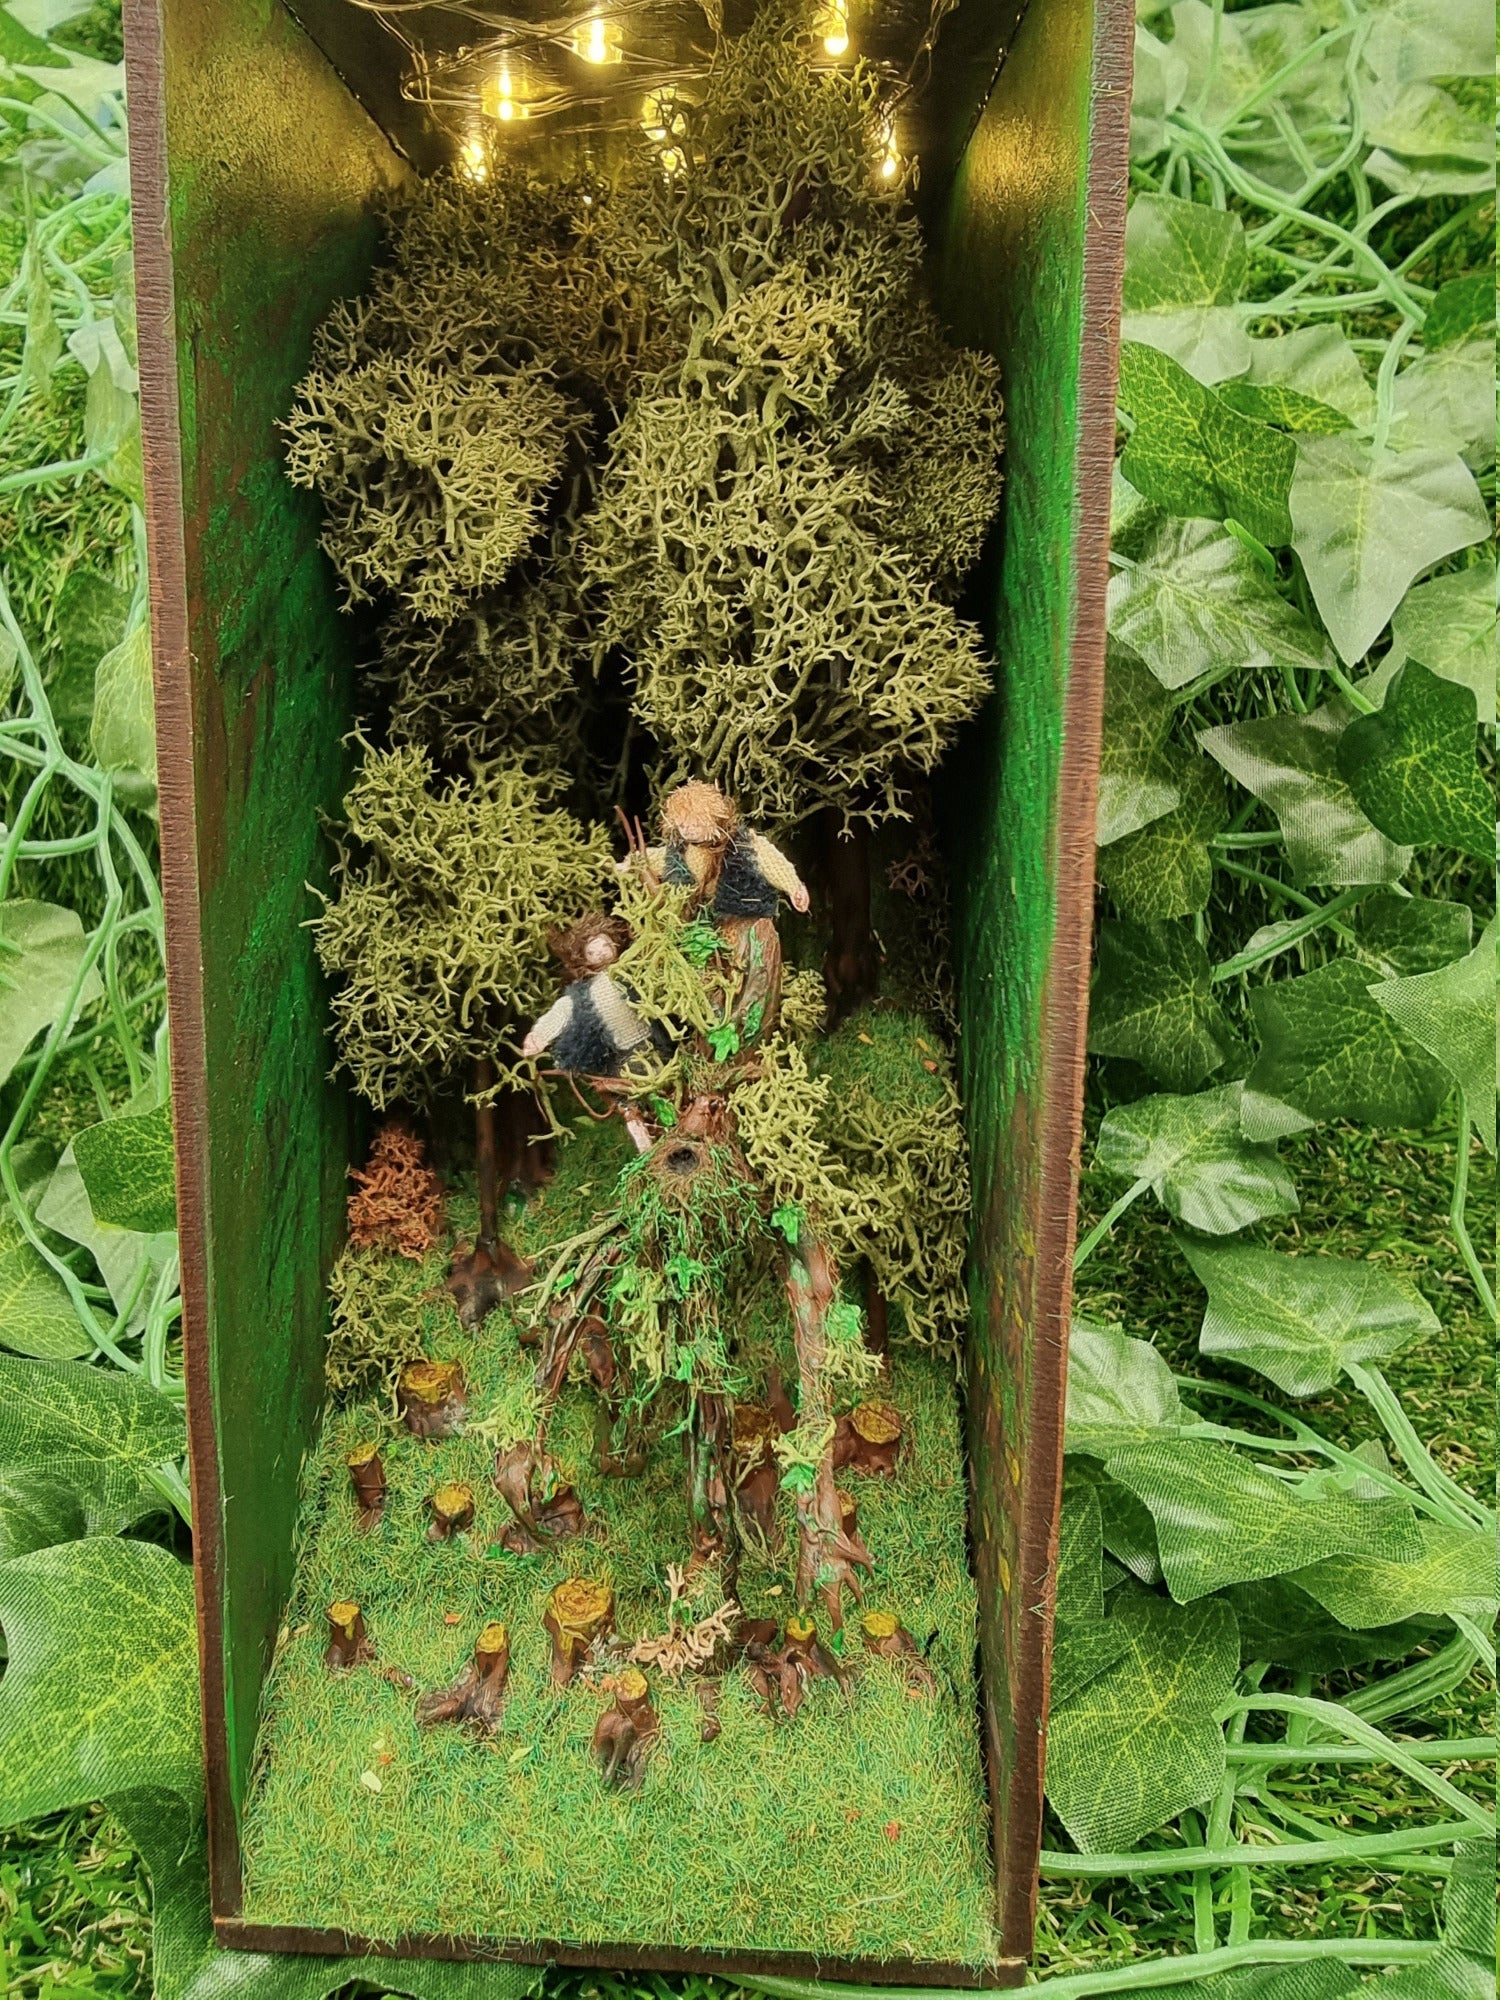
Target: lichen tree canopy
[(445, 895), (788, 505)]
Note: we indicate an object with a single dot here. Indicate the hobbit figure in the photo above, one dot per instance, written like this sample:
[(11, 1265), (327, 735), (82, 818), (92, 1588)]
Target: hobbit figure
[(736, 876), (736, 872), (593, 1030)]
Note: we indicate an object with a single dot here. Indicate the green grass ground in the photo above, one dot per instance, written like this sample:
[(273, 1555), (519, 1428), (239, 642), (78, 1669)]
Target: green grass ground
[(860, 1830)]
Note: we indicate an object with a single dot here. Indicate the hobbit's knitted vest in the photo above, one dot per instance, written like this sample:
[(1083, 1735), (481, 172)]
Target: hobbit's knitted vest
[(602, 1028), (742, 890)]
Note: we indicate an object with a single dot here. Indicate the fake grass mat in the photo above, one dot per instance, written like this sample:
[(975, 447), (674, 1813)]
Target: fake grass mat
[(859, 1830)]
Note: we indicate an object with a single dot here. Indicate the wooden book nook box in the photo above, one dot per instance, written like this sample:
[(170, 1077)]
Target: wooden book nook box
[(261, 135)]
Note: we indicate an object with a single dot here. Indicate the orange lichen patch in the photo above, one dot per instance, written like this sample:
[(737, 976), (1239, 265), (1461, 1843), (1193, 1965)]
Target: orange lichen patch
[(398, 1204)]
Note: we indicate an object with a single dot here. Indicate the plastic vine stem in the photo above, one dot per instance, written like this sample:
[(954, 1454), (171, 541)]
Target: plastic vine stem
[(1107, 1222), (1458, 1211), (1418, 1460)]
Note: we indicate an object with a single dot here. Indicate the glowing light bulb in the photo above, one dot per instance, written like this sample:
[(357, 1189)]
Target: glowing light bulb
[(597, 40), (498, 98), (836, 32)]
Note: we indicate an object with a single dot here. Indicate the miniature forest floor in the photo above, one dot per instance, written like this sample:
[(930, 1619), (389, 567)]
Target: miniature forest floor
[(858, 1830)]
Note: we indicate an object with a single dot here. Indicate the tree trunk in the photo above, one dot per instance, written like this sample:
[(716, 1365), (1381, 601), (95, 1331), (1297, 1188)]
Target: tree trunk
[(480, 1278), (851, 967), (827, 1556), (706, 1445), (487, 1154)]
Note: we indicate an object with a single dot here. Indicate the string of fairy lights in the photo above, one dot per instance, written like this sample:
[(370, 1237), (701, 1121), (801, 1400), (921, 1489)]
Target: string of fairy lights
[(614, 66)]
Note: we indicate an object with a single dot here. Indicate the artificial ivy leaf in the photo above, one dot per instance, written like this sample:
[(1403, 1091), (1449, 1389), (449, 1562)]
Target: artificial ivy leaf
[(1192, 454), (1419, 120), (1302, 1320), (1447, 400), (96, 1430), (1138, 1743), (1425, 179), (1367, 523), (187, 1964), (1137, 778), (1414, 933), (19, 45), (1291, 762), (36, 1314), (1208, 341), (37, 1511), (1412, 767), (41, 949), (1329, 1051), (1221, 1518), (1165, 870), (1118, 1389), (1453, 1576), (1315, 1979), (1448, 624), (1152, 1002), (1462, 308), (1282, 1624), (1451, 1014), (1288, 408), (119, 1253), (1196, 602), (1200, 1167), (1130, 516), (1160, 79), (89, 620), (1082, 1648), (1469, 1900), (1181, 253), (1080, 1553), (1317, 362), (123, 733), (1230, 57), (1129, 1532), (1463, 1966), (98, 1695), (1410, 40), (129, 1171)]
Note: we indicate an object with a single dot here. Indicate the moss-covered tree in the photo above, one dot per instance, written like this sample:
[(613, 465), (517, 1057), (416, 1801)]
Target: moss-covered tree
[(789, 505), (436, 935)]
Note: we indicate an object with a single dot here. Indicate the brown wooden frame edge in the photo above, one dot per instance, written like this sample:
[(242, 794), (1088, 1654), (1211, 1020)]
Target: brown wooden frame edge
[(235, 1934), (1065, 1006), (178, 809)]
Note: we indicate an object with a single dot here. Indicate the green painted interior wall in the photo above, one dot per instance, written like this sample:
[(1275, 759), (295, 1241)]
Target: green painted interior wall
[(1010, 277), (272, 173)]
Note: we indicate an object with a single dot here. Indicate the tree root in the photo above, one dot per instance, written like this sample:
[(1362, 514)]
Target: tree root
[(478, 1695)]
